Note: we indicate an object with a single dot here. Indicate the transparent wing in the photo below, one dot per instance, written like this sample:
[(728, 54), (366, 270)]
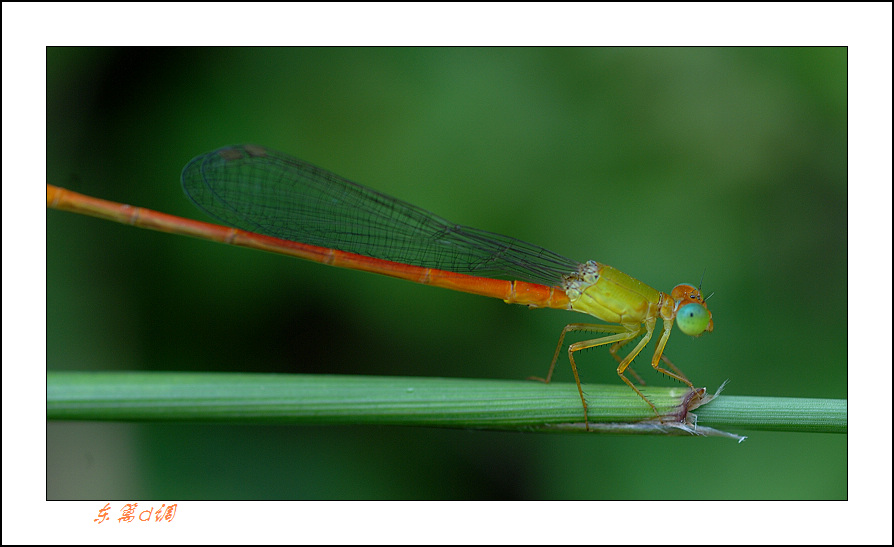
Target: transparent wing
[(260, 190)]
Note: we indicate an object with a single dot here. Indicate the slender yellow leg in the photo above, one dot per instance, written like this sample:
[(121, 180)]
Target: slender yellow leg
[(673, 366), (659, 356), (614, 351), (622, 335), (617, 347), (581, 327), (648, 327), (678, 376), (577, 346)]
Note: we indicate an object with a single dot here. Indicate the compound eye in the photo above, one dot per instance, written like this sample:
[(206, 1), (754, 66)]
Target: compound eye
[(693, 319)]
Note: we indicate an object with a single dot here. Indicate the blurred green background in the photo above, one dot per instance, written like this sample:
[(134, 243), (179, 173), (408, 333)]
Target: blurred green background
[(664, 163)]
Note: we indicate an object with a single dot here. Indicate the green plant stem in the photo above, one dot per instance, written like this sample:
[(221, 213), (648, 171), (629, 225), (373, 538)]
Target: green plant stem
[(436, 402)]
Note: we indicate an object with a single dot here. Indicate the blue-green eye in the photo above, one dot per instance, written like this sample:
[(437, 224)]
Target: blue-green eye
[(693, 319)]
